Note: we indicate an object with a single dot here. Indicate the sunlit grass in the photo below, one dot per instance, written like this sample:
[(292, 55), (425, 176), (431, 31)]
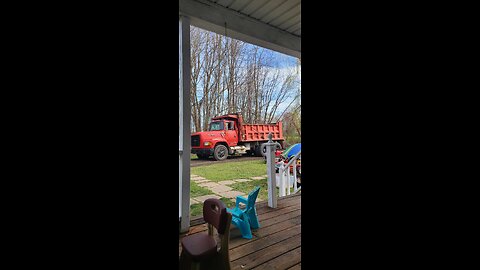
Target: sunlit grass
[(196, 190), (197, 208), (231, 170)]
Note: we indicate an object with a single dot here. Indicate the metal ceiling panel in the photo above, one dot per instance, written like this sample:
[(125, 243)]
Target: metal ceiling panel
[(281, 10), (272, 4), (283, 14), (287, 20), (235, 3), (238, 5), (253, 6), (225, 3)]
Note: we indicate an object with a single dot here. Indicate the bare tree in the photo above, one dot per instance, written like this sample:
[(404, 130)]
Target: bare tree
[(229, 76), (197, 43)]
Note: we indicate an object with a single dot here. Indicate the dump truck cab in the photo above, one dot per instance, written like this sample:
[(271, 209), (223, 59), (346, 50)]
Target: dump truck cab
[(222, 135)]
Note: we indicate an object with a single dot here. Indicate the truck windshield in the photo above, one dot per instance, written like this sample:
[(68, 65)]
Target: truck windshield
[(216, 126)]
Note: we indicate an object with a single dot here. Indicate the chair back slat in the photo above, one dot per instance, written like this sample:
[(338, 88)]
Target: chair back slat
[(214, 213), (252, 197)]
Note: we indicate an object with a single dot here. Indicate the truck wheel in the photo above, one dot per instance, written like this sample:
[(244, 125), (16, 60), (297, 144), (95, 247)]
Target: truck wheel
[(220, 152), (263, 149)]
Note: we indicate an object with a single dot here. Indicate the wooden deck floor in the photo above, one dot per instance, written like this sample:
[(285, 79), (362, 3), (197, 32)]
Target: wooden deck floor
[(275, 245)]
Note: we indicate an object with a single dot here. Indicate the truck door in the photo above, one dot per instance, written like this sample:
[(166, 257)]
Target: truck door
[(231, 133)]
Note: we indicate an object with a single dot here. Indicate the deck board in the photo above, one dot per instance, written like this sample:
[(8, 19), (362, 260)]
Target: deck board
[(266, 254), (253, 246), (285, 261), (275, 245), (296, 267)]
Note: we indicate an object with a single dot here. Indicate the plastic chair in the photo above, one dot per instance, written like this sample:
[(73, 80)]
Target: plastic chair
[(200, 250), (246, 219)]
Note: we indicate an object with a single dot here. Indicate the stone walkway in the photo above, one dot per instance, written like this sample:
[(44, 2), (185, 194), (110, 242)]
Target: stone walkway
[(220, 189)]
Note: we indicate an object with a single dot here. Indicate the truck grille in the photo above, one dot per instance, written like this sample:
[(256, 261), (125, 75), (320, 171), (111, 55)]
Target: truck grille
[(195, 140)]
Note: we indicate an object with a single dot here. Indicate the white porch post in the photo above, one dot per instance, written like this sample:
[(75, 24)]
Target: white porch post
[(271, 181), (184, 123)]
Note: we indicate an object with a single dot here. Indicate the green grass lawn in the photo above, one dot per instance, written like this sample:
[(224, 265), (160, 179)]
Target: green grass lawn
[(196, 190), (232, 170), (246, 187), (228, 171), (229, 203), (197, 208)]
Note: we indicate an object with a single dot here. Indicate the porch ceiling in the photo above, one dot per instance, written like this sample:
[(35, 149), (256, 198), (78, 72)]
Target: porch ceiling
[(273, 24)]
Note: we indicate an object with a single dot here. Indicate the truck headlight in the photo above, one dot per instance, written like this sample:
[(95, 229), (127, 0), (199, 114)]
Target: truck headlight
[(207, 143)]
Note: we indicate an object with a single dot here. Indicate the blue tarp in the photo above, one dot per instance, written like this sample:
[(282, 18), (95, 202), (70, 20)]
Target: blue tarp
[(292, 150)]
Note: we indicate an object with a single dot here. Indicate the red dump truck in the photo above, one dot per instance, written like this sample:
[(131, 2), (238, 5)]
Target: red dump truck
[(229, 135)]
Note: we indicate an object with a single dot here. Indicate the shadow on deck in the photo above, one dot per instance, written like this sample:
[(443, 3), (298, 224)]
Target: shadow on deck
[(275, 245)]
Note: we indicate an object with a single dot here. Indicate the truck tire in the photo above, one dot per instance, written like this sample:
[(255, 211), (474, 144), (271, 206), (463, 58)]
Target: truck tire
[(263, 150), (220, 152)]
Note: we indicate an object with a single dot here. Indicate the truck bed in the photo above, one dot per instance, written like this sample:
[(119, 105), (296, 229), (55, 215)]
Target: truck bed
[(253, 132)]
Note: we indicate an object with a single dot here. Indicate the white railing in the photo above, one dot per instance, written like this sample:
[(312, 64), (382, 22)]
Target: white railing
[(283, 177), (287, 177)]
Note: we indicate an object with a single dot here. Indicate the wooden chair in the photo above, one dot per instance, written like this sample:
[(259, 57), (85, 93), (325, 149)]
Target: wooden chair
[(201, 250), (246, 219)]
